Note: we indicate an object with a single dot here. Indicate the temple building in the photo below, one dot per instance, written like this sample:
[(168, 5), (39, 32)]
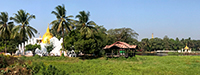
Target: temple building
[(43, 42)]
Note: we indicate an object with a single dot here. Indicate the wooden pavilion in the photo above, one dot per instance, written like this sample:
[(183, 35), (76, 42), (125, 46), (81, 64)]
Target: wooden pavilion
[(121, 48)]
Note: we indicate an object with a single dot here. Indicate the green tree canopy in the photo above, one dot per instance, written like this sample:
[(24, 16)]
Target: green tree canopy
[(5, 27), (85, 26), (122, 34), (23, 29)]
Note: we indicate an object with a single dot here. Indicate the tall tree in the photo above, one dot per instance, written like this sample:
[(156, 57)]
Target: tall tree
[(145, 44), (166, 41), (63, 22), (5, 27), (85, 26), (23, 29), (122, 34)]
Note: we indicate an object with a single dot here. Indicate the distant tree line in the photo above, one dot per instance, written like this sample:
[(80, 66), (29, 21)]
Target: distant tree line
[(167, 44)]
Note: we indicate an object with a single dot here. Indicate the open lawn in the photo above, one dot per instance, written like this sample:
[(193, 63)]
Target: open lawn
[(139, 65)]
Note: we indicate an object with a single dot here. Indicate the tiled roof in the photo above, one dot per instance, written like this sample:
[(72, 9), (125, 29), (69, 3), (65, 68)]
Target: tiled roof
[(120, 45)]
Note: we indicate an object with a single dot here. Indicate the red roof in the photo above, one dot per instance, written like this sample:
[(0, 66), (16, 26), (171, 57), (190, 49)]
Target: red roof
[(120, 45)]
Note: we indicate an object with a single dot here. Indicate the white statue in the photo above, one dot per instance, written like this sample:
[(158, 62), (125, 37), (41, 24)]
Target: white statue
[(189, 50)]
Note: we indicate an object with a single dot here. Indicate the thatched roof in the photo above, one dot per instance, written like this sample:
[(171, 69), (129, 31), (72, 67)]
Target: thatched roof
[(120, 44)]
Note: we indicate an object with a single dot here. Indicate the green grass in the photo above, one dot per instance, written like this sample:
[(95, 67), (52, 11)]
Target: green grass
[(139, 65)]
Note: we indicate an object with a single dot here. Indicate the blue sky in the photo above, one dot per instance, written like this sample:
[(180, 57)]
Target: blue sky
[(174, 18)]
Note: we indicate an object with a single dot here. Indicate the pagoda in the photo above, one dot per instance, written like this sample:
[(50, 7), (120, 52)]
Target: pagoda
[(47, 36), (186, 49)]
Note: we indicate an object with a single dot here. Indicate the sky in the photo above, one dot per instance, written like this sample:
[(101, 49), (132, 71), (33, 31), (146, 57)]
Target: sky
[(174, 18)]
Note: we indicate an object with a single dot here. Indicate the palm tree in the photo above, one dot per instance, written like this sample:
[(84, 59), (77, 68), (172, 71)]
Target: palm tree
[(84, 25), (23, 29), (5, 28), (63, 22)]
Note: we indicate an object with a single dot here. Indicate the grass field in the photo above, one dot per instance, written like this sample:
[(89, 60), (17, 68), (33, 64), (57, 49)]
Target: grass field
[(139, 65)]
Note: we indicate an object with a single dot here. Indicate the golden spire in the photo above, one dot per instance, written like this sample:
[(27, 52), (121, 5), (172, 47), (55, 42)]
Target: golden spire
[(186, 47), (47, 36), (47, 31), (152, 36)]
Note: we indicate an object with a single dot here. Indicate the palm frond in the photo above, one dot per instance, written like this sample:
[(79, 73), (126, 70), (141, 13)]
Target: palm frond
[(70, 16), (15, 19), (30, 17), (54, 22), (91, 23), (32, 29), (28, 31), (55, 13), (67, 26), (15, 30), (60, 26), (4, 16)]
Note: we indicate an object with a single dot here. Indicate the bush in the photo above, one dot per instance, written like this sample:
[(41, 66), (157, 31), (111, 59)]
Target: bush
[(51, 70), (3, 61), (13, 66), (8, 60), (32, 47), (36, 67), (40, 68), (49, 48), (17, 70)]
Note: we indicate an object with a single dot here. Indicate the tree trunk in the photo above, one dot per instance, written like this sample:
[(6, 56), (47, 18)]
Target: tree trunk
[(5, 46), (63, 38), (24, 35)]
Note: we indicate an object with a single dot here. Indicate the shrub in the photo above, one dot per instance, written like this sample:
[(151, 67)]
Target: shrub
[(13, 66), (49, 47), (17, 70), (3, 61), (36, 67), (62, 55), (8, 60), (32, 47), (46, 70)]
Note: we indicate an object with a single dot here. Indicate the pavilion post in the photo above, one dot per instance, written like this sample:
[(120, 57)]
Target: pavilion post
[(134, 52), (112, 53)]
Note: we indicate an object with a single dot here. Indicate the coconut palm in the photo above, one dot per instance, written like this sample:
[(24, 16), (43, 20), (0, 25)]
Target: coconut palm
[(84, 25), (5, 27), (23, 29), (63, 22)]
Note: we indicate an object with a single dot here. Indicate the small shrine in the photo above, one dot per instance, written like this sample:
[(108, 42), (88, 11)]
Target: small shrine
[(186, 49)]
